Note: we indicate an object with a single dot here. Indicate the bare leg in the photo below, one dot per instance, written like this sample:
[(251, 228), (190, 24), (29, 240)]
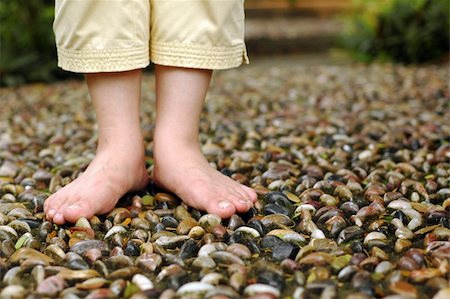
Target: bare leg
[(119, 164), (179, 164)]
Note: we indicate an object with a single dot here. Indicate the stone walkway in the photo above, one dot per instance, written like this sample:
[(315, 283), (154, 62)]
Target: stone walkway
[(350, 161)]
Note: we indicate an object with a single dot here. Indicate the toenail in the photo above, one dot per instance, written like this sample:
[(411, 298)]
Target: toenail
[(224, 204), (58, 216), (51, 213)]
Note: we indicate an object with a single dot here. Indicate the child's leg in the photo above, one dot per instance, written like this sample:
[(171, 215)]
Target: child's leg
[(119, 164), (179, 164)]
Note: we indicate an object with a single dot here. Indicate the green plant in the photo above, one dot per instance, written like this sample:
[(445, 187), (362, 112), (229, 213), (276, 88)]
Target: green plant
[(27, 48), (405, 31)]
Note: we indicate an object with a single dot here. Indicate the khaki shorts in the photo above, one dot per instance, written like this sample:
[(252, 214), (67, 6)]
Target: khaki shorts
[(118, 35)]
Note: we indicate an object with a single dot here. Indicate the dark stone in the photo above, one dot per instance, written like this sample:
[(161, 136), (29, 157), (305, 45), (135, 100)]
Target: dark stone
[(269, 242), (357, 246), (44, 230), (437, 217), (360, 201), (178, 279), (401, 216), (169, 221), (350, 233), (188, 250), (274, 209), (31, 222), (277, 198), (245, 239), (362, 281), (284, 250), (159, 227), (76, 264), (226, 171), (271, 278), (257, 224), (252, 212), (235, 222), (133, 248)]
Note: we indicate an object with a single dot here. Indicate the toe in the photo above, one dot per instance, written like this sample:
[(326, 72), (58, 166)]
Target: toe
[(241, 203), (73, 212), (222, 208), (251, 193), (58, 219)]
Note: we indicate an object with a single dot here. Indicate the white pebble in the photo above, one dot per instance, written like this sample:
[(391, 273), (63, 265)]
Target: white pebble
[(143, 282), (194, 287), (257, 288)]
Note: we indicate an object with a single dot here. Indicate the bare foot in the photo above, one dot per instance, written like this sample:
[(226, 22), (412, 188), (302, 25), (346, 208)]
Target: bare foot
[(110, 175), (186, 172)]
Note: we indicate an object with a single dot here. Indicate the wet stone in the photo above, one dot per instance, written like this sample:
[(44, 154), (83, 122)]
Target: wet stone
[(269, 242), (271, 278), (275, 209), (189, 249), (284, 250)]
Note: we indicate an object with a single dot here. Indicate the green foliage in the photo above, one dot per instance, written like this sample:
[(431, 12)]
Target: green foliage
[(405, 31), (27, 48)]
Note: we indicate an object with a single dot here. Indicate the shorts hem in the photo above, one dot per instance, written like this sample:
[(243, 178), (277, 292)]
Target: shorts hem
[(103, 60), (198, 56)]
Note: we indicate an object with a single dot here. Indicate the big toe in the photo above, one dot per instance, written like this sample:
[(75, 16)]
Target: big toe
[(73, 212), (223, 208)]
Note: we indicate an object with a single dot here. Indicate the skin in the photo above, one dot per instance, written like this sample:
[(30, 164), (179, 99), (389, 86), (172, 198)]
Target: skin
[(119, 165)]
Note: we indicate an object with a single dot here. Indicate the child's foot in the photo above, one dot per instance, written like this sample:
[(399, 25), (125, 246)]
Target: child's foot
[(110, 175), (186, 172)]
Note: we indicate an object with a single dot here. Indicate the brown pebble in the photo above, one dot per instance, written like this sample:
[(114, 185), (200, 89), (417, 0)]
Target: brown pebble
[(403, 288)]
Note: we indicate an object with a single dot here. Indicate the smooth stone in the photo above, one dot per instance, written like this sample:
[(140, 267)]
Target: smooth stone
[(149, 262), (442, 294), (257, 224), (277, 220), (206, 249), (271, 278), (284, 250), (25, 253), (350, 233), (384, 267), (269, 242), (245, 239), (143, 282), (51, 286), (171, 242), (81, 247), (403, 288), (169, 221), (208, 221), (248, 230), (194, 288), (189, 249), (275, 209), (68, 274), (240, 250), (235, 222), (258, 288), (13, 292), (224, 257), (204, 262), (186, 225)]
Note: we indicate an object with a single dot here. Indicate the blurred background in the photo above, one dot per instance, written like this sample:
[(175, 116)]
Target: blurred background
[(399, 31)]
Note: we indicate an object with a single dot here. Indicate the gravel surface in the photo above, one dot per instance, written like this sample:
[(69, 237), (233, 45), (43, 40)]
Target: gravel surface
[(351, 166)]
